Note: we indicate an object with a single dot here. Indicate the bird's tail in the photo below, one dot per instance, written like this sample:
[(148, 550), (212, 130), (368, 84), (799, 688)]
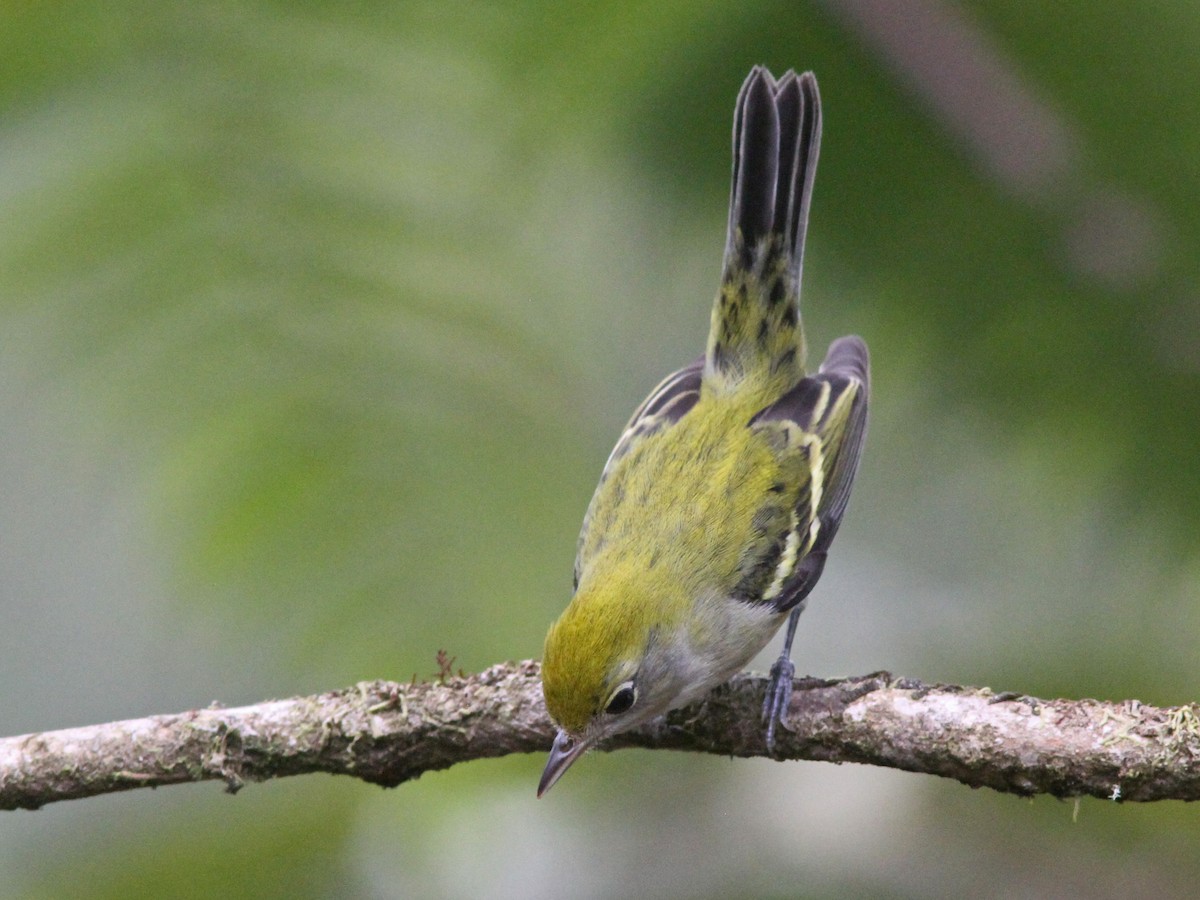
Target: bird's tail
[(756, 336)]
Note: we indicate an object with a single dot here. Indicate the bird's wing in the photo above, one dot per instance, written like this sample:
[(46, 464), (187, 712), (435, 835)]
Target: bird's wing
[(668, 403), (823, 421)]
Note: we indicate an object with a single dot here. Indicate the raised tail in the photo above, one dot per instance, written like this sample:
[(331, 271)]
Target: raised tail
[(756, 335)]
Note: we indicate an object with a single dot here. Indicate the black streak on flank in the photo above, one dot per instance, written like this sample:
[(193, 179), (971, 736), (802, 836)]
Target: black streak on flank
[(785, 360)]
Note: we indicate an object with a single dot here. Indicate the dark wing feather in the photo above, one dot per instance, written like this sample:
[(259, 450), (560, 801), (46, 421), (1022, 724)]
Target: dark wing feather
[(830, 406), (846, 365), (667, 404)]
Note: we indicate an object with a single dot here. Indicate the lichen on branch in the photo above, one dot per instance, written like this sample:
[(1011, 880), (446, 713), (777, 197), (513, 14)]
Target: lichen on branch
[(387, 733)]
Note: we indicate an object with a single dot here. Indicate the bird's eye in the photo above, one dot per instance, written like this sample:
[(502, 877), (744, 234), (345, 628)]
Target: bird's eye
[(622, 699)]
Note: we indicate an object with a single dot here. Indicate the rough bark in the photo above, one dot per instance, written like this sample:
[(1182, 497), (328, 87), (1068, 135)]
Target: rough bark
[(388, 733)]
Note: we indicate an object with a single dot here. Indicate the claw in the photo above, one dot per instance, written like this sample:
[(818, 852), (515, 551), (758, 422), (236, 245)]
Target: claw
[(779, 692)]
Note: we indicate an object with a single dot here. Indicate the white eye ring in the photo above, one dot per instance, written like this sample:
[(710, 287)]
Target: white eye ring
[(622, 699)]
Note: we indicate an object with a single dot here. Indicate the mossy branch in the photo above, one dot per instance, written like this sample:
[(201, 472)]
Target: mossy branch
[(388, 733)]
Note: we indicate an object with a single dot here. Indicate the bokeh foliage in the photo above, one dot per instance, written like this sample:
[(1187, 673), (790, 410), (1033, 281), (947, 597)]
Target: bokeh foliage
[(317, 321)]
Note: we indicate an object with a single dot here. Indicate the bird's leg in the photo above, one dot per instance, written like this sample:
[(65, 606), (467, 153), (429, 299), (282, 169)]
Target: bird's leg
[(779, 690)]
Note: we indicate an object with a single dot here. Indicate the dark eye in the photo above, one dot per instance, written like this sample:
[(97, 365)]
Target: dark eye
[(624, 697)]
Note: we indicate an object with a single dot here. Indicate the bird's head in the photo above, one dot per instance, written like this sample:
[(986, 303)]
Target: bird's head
[(605, 669)]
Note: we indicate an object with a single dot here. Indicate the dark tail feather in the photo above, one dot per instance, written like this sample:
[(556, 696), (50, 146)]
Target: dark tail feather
[(799, 146), (776, 139), (755, 166), (756, 336)]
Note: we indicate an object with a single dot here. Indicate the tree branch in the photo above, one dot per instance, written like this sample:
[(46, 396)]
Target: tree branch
[(388, 733)]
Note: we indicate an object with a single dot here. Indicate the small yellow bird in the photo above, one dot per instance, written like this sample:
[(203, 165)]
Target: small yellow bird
[(716, 509)]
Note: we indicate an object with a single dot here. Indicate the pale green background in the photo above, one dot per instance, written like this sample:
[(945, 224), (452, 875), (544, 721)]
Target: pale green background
[(318, 320)]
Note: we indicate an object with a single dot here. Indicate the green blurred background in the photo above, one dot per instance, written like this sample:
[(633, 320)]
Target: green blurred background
[(318, 321)]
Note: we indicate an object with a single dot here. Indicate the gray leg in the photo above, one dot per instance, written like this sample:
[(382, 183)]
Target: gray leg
[(779, 690)]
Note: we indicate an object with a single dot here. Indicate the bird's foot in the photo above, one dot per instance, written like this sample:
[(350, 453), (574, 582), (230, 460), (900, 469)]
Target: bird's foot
[(779, 692)]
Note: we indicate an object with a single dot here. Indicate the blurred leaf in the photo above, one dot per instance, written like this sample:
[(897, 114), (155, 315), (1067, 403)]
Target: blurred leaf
[(317, 322)]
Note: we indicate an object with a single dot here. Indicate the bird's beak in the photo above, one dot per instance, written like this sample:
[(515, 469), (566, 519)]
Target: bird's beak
[(565, 751)]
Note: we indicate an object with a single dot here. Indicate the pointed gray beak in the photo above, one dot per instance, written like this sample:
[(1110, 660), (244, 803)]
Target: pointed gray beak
[(565, 751)]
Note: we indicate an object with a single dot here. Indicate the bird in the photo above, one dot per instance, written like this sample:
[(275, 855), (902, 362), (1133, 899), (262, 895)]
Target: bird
[(717, 507)]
